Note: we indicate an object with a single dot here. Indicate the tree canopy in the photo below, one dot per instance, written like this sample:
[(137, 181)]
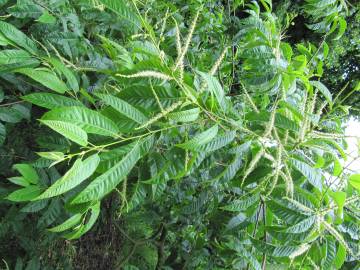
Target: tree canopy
[(178, 134)]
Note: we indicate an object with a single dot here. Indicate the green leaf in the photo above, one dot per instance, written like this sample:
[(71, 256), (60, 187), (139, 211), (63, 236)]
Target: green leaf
[(215, 88), (2, 134), (124, 108), (68, 130), (61, 69), (354, 180), (342, 28), (47, 18), (50, 100), (67, 224), (21, 181), (330, 253), (121, 8), (80, 171), (240, 205), (51, 155), (340, 256), (185, 116), (323, 89), (200, 139), (218, 142), (312, 175), (26, 10), (28, 172), (14, 36), (86, 119), (302, 226), (95, 211), (45, 77), (106, 182), (24, 194)]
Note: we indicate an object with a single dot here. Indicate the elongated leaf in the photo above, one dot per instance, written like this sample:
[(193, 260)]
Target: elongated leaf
[(123, 11), (185, 116), (89, 120), (67, 224), (218, 142), (24, 194), (239, 205), (21, 181), (302, 226), (354, 180), (330, 253), (45, 77), (200, 139), (124, 108), (323, 90), (50, 100), (79, 172), (28, 172), (60, 68), (312, 175), (68, 130), (17, 37), (340, 256), (106, 182), (95, 211), (215, 88)]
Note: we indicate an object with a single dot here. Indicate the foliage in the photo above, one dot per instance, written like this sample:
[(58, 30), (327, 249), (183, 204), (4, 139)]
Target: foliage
[(201, 137)]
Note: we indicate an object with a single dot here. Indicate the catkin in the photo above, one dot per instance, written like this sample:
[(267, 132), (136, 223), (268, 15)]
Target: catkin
[(147, 74), (184, 50), (252, 164)]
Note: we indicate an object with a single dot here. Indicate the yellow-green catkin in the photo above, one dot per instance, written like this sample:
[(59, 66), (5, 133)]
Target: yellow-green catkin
[(147, 74), (184, 50)]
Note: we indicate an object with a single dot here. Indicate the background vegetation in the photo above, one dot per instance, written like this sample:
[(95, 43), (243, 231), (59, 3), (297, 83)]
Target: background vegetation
[(178, 134)]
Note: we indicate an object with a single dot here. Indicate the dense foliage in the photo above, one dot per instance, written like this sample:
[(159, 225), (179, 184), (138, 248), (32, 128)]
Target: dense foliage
[(176, 135)]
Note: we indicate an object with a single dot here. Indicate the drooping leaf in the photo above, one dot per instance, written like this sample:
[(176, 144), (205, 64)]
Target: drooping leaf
[(79, 172), (51, 101), (14, 36), (67, 224), (68, 130), (124, 108), (106, 182), (45, 77), (28, 172), (24, 194), (89, 120), (200, 139)]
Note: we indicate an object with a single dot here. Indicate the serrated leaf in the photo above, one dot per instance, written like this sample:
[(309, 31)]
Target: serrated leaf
[(330, 253), (51, 101), (67, 224), (312, 175), (28, 172), (200, 139), (24, 194), (45, 77), (354, 180), (124, 108), (61, 69), (323, 89), (106, 182), (17, 37), (240, 205), (123, 11), (302, 226), (2, 134), (185, 116), (95, 211), (21, 181), (218, 142), (80, 171), (88, 120), (68, 130)]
